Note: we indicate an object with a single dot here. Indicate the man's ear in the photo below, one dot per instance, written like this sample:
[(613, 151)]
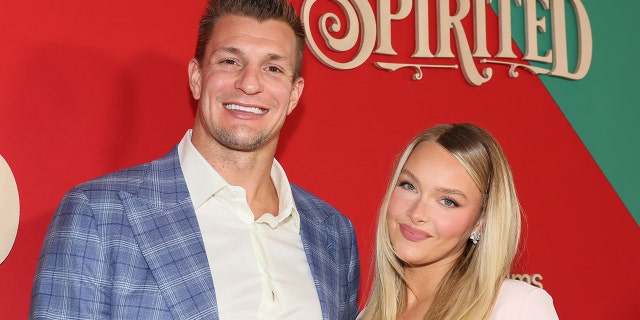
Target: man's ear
[(195, 77), (296, 93)]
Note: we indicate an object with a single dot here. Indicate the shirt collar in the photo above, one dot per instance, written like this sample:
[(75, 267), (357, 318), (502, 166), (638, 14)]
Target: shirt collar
[(203, 181), (287, 204)]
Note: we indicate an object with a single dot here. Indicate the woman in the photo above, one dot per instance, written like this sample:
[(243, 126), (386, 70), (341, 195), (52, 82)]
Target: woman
[(448, 231)]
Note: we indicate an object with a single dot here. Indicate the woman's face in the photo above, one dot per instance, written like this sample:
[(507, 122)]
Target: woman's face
[(433, 208)]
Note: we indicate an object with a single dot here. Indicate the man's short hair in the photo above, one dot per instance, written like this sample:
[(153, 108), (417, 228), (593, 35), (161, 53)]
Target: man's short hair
[(261, 10)]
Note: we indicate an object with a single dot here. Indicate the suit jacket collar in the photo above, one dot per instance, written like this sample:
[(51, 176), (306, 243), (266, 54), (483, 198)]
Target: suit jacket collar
[(318, 244), (165, 226)]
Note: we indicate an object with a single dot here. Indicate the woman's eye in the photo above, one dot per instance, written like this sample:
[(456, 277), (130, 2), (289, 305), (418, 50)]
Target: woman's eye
[(449, 202), (407, 185)]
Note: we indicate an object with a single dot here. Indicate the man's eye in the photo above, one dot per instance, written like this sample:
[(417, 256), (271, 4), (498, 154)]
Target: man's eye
[(228, 61), (273, 69)]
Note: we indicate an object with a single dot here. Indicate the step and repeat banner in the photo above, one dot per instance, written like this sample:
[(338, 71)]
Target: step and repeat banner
[(87, 88)]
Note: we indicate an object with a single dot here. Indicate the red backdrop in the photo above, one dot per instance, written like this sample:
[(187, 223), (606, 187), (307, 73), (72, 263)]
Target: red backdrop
[(91, 87)]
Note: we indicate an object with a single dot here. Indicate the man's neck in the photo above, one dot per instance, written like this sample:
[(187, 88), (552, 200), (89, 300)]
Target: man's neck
[(250, 170)]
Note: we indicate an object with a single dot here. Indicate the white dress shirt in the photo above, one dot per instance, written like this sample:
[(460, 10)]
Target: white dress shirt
[(259, 267)]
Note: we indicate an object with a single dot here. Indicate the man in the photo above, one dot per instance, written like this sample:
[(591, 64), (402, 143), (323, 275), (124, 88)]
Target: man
[(213, 229)]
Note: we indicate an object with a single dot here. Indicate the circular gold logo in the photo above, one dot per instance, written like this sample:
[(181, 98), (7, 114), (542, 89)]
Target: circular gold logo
[(9, 209)]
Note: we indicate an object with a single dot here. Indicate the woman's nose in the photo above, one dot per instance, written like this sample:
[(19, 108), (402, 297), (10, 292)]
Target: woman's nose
[(418, 212)]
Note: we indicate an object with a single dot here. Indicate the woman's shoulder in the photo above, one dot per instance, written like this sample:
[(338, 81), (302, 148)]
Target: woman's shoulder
[(520, 300), (518, 287)]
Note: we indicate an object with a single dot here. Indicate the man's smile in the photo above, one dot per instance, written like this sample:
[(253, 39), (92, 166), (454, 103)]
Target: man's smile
[(250, 109)]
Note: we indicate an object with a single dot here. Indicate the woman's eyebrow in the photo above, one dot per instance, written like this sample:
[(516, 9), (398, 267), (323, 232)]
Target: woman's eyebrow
[(451, 191)]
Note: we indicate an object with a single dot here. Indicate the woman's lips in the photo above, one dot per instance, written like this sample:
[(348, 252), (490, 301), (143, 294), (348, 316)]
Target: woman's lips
[(413, 234)]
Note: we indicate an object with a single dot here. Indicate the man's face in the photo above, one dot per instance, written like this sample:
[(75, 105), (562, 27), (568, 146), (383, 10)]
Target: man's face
[(244, 86)]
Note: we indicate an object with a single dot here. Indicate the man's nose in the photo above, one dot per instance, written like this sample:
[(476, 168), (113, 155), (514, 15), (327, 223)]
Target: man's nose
[(250, 80)]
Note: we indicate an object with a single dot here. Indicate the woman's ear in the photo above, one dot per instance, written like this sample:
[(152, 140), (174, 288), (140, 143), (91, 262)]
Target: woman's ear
[(480, 223)]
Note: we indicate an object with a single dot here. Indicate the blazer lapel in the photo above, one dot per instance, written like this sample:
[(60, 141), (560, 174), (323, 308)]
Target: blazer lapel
[(320, 250), (166, 229)]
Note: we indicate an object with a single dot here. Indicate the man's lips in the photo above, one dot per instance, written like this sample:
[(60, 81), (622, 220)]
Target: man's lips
[(249, 109), (412, 234)]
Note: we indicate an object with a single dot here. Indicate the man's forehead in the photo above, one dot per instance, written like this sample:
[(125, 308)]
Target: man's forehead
[(235, 34)]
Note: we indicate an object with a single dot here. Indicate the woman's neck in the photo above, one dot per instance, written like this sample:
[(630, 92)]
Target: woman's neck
[(422, 285)]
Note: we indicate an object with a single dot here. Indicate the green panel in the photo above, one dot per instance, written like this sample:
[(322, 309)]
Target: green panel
[(603, 107)]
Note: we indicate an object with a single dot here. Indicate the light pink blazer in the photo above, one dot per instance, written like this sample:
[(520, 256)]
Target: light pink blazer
[(518, 300)]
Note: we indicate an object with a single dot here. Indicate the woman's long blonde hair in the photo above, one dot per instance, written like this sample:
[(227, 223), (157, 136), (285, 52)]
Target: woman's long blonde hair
[(470, 288)]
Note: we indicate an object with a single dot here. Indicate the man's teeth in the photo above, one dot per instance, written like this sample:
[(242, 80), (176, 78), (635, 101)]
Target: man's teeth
[(245, 109)]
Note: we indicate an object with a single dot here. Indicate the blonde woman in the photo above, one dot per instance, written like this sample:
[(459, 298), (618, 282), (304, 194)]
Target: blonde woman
[(448, 231)]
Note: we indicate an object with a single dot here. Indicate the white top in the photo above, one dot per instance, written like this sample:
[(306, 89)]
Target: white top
[(259, 267), (518, 300)]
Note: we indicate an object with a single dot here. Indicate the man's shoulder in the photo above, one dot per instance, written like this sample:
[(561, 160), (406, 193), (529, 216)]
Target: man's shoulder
[(130, 178), (313, 208), (306, 199)]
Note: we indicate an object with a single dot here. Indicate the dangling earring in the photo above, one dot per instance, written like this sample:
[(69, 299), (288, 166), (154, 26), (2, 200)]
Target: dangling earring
[(475, 237)]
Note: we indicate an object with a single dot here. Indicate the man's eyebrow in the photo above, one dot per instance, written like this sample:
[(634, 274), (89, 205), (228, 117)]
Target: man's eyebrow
[(276, 57), (238, 52), (232, 50)]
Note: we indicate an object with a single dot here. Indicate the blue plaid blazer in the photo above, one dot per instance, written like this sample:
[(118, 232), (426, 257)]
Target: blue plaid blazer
[(127, 246)]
